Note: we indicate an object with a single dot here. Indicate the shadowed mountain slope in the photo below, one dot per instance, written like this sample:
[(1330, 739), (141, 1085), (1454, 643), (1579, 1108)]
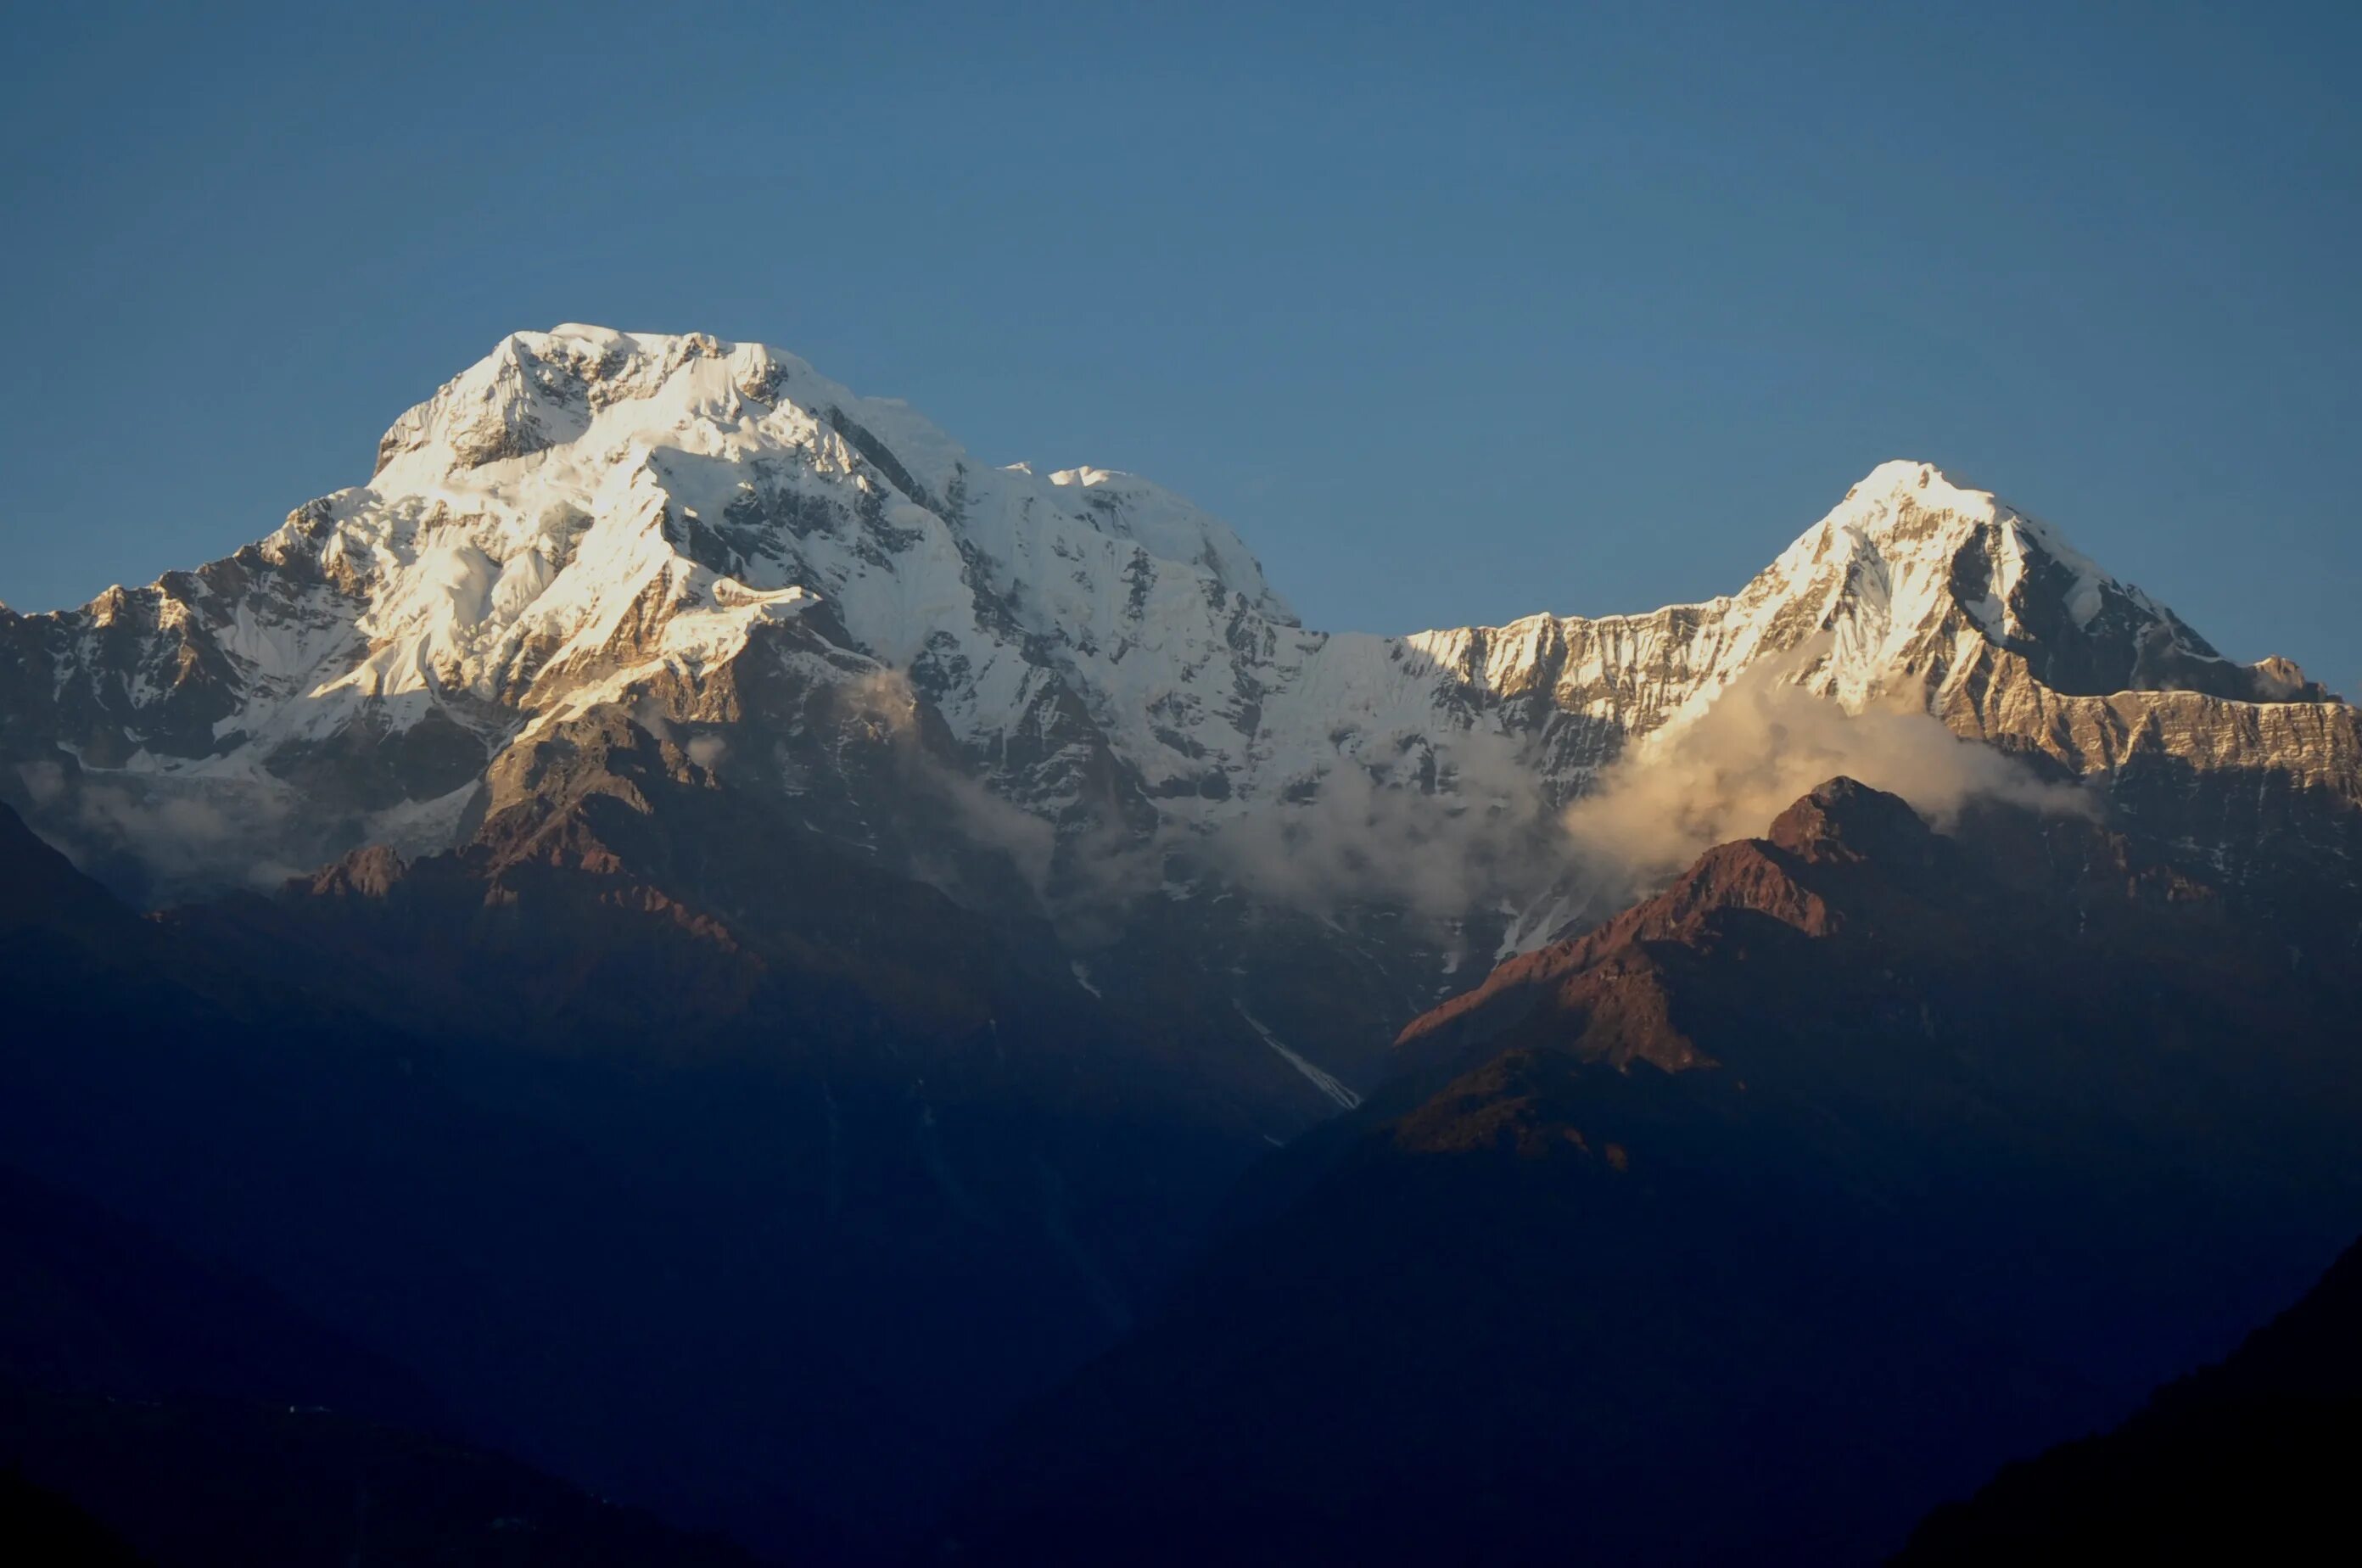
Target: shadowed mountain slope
[(1738, 1230), (157, 1408), (530, 1247), (2251, 1460)]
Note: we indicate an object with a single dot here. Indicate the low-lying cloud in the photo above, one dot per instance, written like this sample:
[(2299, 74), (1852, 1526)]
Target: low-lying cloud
[(1725, 772), (1466, 825), (1437, 830), (178, 838), (1441, 834), (884, 703)]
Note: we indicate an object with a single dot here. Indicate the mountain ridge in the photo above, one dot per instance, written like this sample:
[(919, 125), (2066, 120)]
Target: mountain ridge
[(898, 897), (1072, 697)]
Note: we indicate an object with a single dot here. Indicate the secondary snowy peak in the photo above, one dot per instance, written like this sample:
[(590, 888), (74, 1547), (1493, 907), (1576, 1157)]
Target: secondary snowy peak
[(1914, 557), (1910, 581)]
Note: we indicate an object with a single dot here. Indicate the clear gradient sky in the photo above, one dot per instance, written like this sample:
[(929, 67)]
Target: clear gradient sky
[(1457, 311)]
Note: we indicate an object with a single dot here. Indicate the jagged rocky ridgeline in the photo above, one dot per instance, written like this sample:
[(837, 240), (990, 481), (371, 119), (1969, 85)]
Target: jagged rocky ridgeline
[(1070, 695)]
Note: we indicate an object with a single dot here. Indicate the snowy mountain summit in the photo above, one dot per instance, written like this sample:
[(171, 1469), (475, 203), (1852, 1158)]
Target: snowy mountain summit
[(1075, 693)]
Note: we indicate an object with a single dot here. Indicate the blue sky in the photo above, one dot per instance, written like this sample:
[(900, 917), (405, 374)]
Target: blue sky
[(1456, 312)]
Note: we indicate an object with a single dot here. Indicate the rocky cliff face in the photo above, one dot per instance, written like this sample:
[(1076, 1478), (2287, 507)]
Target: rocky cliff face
[(1070, 696)]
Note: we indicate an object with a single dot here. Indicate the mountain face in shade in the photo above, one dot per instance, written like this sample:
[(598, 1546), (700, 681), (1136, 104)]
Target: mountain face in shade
[(1071, 698), (2251, 1460), (154, 1408), (739, 1276), (37, 1525), (1741, 1229), (99, 1306)]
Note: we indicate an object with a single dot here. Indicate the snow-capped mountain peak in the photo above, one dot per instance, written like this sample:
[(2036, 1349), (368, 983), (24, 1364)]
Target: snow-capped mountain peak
[(595, 391), (1910, 513), (713, 534), (1917, 567)]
